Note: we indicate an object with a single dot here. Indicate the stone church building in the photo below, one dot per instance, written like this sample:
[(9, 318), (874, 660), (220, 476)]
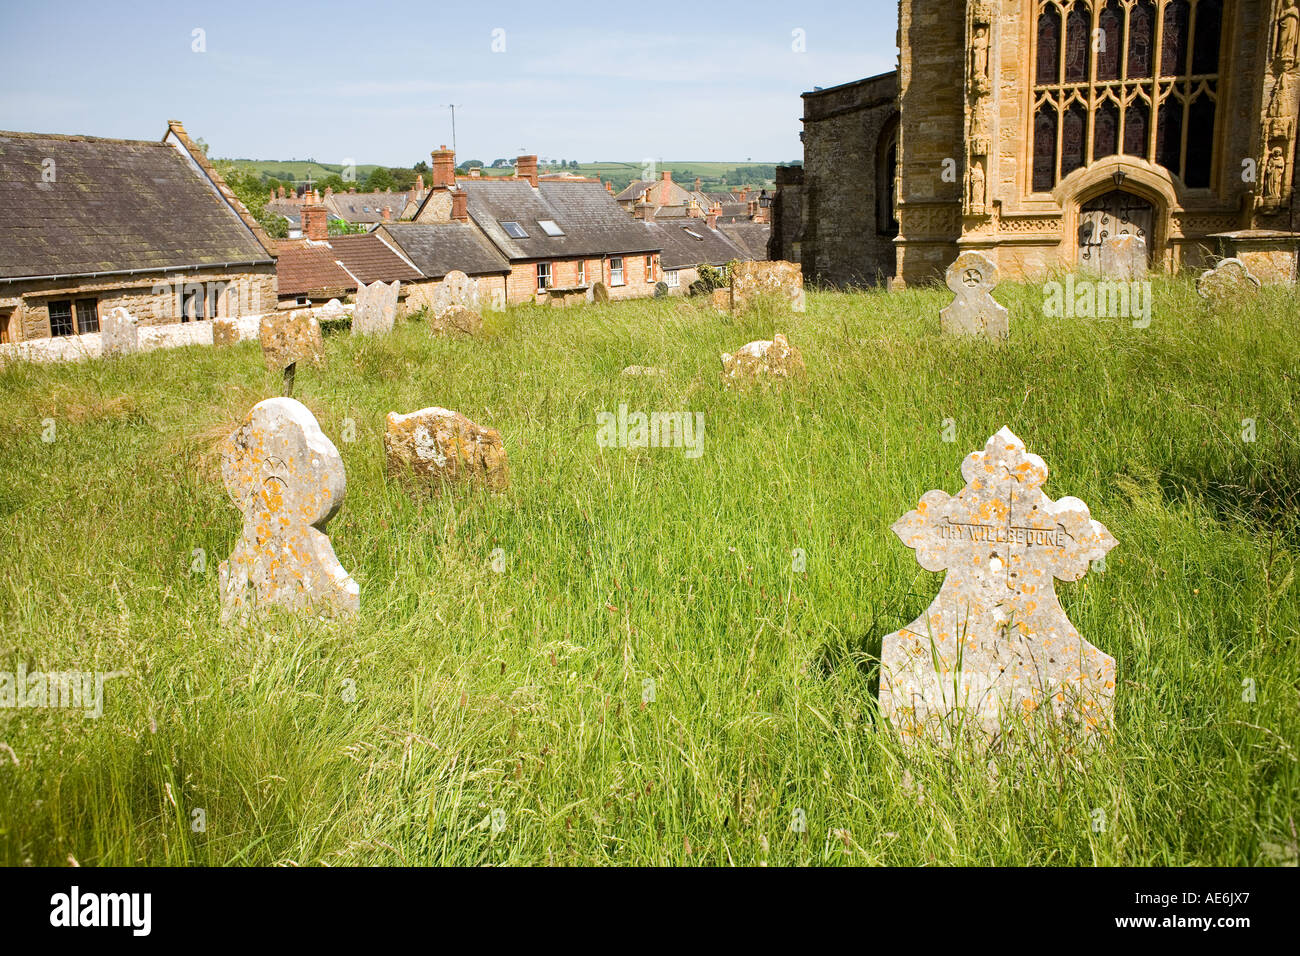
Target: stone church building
[(1032, 130)]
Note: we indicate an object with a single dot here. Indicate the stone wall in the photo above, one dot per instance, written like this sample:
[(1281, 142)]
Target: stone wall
[(151, 299), (841, 241), (787, 215)]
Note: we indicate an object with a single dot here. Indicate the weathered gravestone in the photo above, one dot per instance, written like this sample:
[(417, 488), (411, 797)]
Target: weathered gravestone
[(777, 280), (435, 445), (118, 333), (464, 321), (455, 291), (972, 277), (225, 332), (289, 338), (376, 307), (287, 480), (1228, 279), (994, 647), (763, 361), (598, 293), (1124, 258), (661, 289)]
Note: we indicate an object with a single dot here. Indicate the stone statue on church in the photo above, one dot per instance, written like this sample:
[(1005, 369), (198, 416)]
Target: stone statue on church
[(979, 59), (1274, 175), (977, 194), (1288, 32)]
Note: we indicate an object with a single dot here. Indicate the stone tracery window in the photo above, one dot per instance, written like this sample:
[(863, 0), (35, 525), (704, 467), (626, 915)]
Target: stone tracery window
[(1097, 92)]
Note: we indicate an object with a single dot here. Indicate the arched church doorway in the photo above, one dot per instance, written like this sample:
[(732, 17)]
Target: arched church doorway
[(1115, 213)]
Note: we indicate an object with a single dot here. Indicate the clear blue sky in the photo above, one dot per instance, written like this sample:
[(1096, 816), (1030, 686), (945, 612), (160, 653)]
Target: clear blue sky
[(368, 81)]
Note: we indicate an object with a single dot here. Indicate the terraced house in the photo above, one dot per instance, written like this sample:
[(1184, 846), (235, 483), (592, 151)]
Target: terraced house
[(90, 224), (559, 238)]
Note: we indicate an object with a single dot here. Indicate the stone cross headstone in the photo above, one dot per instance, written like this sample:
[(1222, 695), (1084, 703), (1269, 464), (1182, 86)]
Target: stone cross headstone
[(455, 291), (972, 277), (118, 333), (289, 338), (1124, 258), (435, 445), (994, 647), (1227, 279), (376, 307), (287, 480)]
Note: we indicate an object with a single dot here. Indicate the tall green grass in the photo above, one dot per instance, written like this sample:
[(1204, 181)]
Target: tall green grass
[(460, 691)]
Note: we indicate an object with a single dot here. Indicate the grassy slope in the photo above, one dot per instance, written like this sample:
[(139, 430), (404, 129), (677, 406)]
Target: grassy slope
[(522, 690)]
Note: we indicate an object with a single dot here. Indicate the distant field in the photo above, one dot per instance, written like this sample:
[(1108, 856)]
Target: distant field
[(712, 174)]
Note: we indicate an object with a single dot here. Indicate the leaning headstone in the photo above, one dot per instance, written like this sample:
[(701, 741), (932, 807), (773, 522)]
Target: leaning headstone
[(763, 361), (995, 648), (289, 338), (376, 308), (435, 445), (225, 332), (455, 291), (287, 480), (974, 311), (598, 293), (464, 321), (118, 333), (1124, 258), (777, 280), (1227, 279)]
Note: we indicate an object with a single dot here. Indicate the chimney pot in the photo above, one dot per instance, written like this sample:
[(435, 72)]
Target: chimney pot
[(444, 169)]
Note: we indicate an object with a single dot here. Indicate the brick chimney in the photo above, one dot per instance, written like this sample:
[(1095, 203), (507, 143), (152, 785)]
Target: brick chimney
[(693, 208), (388, 214), (315, 223), (526, 168), (697, 183), (460, 206), (281, 192), (609, 187), (711, 220), (272, 199), (444, 168), (646, 211), (419, 184)]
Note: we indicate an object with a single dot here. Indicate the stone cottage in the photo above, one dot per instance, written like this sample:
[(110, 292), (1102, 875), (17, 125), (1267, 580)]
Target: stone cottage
[(90, 224)]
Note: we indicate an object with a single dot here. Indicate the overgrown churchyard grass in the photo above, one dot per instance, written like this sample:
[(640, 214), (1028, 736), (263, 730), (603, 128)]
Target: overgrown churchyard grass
[(472, 715)]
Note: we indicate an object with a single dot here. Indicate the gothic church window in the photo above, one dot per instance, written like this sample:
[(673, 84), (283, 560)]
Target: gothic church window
[(1138, 77)]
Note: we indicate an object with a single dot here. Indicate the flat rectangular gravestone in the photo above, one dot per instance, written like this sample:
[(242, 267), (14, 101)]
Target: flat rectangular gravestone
[(779, 280), (118, 333), (1124, 258), (291, 337), (994, 649), (376, 308)]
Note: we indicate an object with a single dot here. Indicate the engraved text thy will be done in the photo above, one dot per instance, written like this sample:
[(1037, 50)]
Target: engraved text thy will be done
[(956, 531)]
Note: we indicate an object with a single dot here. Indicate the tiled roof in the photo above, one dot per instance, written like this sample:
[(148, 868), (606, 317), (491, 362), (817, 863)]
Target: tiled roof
[(592, 223), (335, 267), (749, 236), (76, 205), (438, 248), (692, 243), (366, 207)]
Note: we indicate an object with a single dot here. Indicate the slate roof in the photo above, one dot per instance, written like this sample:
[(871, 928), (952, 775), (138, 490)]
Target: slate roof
[(592, 222), (748, 235), (688, 244), (438, 248), (335, 267), (367, 207), (115, 205)]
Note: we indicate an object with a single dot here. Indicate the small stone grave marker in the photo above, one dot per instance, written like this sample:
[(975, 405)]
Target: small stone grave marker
[(763, 361), (1229, 278), (289, 338), (435, 445), (376, 308), (119, 334), (1124, 257), (287, 480), (972, 277)]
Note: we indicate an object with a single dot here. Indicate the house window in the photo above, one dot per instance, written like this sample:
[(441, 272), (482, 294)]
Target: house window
[(1132, 77), (582, 272), (549, 227), (61, 317), (192, 304), (543, 276), (649, 268), (5, 334), (671, 278), (513, 229), (87, 315), (616, 270)]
